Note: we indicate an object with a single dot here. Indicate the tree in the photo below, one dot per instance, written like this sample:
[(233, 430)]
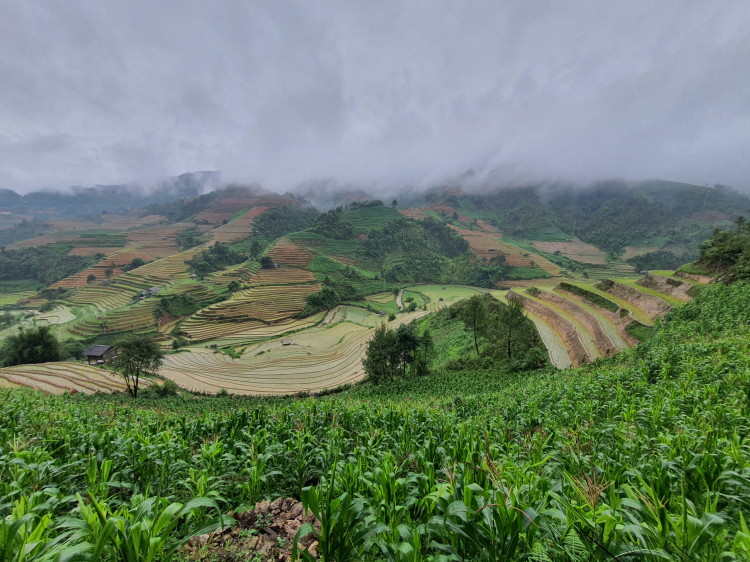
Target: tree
[(378, 356), (266, 262), (394, 203), (109, 272), (34, 345), (233, 286), (137, 262), (474, 316), (91, 278), (455, 215), (510, 322), (255, 249), (137, 355)]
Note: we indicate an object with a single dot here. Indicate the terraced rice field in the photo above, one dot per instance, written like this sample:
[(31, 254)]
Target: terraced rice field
[(576, 250), (282, 276), (414, 213), (450, 294), (488, 245), (239, 228), (287, 253), (246, 310), (280, 369), (137, 318), (64, 377)]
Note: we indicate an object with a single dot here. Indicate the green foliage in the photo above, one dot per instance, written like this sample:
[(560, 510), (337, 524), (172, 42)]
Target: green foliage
[(179, 210), (660, 260), (278, 221), (135, 263), (40, 263), (638, 457), (215, 258), (640, 331), (330, 225), (727, 253), (30, 345), (323, 264), (266, 262), (395, 353), (327, 298), (137, 355), (590, 296), (177, 306), (23, 231), (188, 239)]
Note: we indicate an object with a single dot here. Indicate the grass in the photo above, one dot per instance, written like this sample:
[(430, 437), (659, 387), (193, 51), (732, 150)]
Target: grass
[(367, 218)]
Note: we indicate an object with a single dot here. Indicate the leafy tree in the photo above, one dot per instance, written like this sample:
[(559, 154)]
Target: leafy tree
[(330, 225), (394, 203), (391, 317), (474, 316), (136, 263), (326, 298), (233, 286), (91, 278), (511, 321), (266, 262), (137, 355), (45, 264), (33, 345), (215, 258), (390, 352), (255, 249), (278, 221), (109, 272)]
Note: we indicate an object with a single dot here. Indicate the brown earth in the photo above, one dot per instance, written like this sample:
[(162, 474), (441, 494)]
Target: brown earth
[(708, 215), (667, 285), (652, 305), (565, 329), (265, 533), (576, 250), (704, 279), (414, 213), (633, 251), (601, 340), (620, 322)]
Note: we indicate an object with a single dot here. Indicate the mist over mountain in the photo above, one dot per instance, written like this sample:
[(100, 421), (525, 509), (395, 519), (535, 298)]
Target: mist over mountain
[(378, 96)]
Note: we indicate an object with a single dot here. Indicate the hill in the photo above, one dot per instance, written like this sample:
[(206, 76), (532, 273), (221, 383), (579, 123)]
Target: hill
[(634, 456)]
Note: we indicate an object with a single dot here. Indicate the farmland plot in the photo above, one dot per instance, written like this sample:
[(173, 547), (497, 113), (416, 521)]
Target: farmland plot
[(281, 370), (287, 253), (62, 377), (576, 250)]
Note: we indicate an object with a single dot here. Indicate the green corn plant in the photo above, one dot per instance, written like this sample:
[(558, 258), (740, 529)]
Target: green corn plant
[(346, 527), (257, 477), (146, 532)]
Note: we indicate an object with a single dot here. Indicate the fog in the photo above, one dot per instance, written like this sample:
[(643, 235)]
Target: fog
[(379, 95)]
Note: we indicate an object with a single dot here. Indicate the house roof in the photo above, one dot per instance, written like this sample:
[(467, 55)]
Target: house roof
[(97, 350)]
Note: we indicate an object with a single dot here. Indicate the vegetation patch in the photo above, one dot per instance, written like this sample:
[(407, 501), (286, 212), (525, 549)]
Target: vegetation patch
[(590, 296)]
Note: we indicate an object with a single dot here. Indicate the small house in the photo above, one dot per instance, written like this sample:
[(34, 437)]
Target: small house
[(492, 250), (154, 290), (193, 276), (568, 239), (99, 354), (382, 313), (286, 342)]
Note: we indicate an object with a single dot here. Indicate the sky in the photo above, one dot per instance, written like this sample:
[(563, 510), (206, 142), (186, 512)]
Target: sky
[(380, 95)]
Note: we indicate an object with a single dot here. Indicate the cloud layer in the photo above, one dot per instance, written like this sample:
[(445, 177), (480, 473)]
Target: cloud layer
[(377, 94)]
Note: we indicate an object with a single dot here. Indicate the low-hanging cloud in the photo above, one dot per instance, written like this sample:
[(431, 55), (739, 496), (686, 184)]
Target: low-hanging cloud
[(374, 94)]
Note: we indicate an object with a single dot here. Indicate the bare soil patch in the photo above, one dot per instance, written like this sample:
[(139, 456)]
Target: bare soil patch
[(653, 306), (620, 322), (575, 250), (667, 285), (265, 533)]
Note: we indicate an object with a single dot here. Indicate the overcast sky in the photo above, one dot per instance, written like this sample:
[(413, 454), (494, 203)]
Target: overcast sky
[(378, 94)]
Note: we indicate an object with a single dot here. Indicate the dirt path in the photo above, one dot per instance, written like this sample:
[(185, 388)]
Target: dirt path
[(620, 322), (565, 329), (601, 340), (398, 300), (667, 285), (652, 305), (331, 314)]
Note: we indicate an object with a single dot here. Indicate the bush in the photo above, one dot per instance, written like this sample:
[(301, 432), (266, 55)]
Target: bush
[(168, 388), (391, 317)]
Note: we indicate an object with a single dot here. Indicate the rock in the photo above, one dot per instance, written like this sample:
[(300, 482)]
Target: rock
[(296, 510), (276, 506), (313, 550)]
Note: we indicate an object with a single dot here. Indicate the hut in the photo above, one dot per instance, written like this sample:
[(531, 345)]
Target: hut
[(99, 354), (286, 342)]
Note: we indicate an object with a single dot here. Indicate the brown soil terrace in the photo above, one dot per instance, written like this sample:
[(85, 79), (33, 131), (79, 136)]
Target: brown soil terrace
[(602, 342), (704, 279), (667, 285), (652, 305), (620, 322), (565, 329)]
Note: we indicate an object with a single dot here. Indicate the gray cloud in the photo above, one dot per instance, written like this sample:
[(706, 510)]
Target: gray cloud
[(377, 94)]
